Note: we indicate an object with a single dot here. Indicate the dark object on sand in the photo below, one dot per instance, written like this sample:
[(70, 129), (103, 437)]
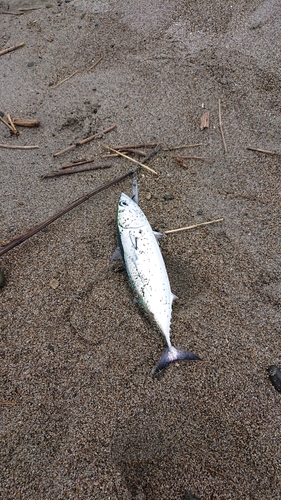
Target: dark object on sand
[(190, 496), (2, 279), (275, 377)]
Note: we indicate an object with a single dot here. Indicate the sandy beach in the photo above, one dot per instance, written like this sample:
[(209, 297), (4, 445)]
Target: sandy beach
[(81, 416)]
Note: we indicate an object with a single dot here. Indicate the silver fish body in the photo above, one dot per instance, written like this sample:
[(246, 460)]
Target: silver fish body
[(147, 273)]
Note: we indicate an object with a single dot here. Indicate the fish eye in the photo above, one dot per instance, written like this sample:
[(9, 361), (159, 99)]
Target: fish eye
[(123, 203)]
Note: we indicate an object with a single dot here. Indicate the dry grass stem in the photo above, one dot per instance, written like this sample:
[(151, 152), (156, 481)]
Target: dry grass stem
[(173, 148), (192, 227), (6, 123), (191, 158), (7, 146), (84, 141), (134, 146), (15, 131), (131, 159), (78, 162), (221, 129), (65, 79), (94, 65), (23, 237), (58, 173), (10, 49), (264, 151)]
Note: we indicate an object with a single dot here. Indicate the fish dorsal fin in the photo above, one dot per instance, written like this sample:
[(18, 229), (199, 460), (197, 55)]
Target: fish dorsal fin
[(116, 255), (174, 297)]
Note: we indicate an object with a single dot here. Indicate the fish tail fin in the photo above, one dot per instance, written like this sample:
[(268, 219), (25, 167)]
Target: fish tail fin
[(172, 354)]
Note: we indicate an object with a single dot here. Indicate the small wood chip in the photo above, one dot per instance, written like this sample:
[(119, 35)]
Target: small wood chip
[(26, 122), (54, 283), (205, 120)]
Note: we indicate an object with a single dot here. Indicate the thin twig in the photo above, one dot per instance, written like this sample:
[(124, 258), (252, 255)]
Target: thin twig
[(10, 49), (264, 151), (191, 227), (191, 158), (65, 79), (7, 146), (182, 147), (133, 146), (221, 129), (10, 403), (23, 237), (78, 162), (12, 13), (84, 141), (94, 65), (6, 123), (58, 173), (129, 158)]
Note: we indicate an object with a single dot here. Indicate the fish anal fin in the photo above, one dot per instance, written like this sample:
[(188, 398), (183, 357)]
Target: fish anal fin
[(116, 255)]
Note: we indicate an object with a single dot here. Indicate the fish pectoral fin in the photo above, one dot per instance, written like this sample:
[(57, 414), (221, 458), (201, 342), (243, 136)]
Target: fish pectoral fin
[(134, 241), (116, 255), (159, 235)]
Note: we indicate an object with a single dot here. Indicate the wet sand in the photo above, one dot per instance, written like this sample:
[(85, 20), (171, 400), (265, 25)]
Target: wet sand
[(83, 418)]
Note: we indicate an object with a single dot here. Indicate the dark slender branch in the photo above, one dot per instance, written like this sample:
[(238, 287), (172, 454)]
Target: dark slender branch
[(20, 239), (58, 173)]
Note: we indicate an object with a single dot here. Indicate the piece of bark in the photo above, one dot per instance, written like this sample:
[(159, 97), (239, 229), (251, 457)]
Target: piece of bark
[(26, 122), (205, 120)]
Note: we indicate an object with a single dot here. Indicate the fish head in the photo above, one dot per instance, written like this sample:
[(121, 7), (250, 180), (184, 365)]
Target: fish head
[(129, 214)]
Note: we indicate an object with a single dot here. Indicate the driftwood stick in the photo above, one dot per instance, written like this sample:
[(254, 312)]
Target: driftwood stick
[(182, 147), (7, 146), (191, 227), (84, 141), (10, 49), (58, 173), (264, 151), (7, 124), (129, 158), (132, 151), (221, 129), (23, 237)]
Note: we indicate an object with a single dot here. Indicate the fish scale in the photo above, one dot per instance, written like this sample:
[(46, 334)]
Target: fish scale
[(147, 273)]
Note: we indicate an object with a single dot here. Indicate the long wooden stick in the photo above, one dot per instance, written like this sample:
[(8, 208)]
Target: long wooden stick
[(10, 49), (191, 227), (20, 239), (58, 173), (264, 151), (135, 146), (221, 129), (129, 158), (84, 141), (7, 146)]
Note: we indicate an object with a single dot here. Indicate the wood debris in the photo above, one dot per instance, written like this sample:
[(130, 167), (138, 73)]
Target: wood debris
[(221, 129), (264, 151), (205, 120), (192, 227), (59, 173), (131, 159), (23, 237), (10, 49), (84, 141)]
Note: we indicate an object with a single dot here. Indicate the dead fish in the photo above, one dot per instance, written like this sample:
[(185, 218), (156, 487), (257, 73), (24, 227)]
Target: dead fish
[(275, 377), (147, 273)]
